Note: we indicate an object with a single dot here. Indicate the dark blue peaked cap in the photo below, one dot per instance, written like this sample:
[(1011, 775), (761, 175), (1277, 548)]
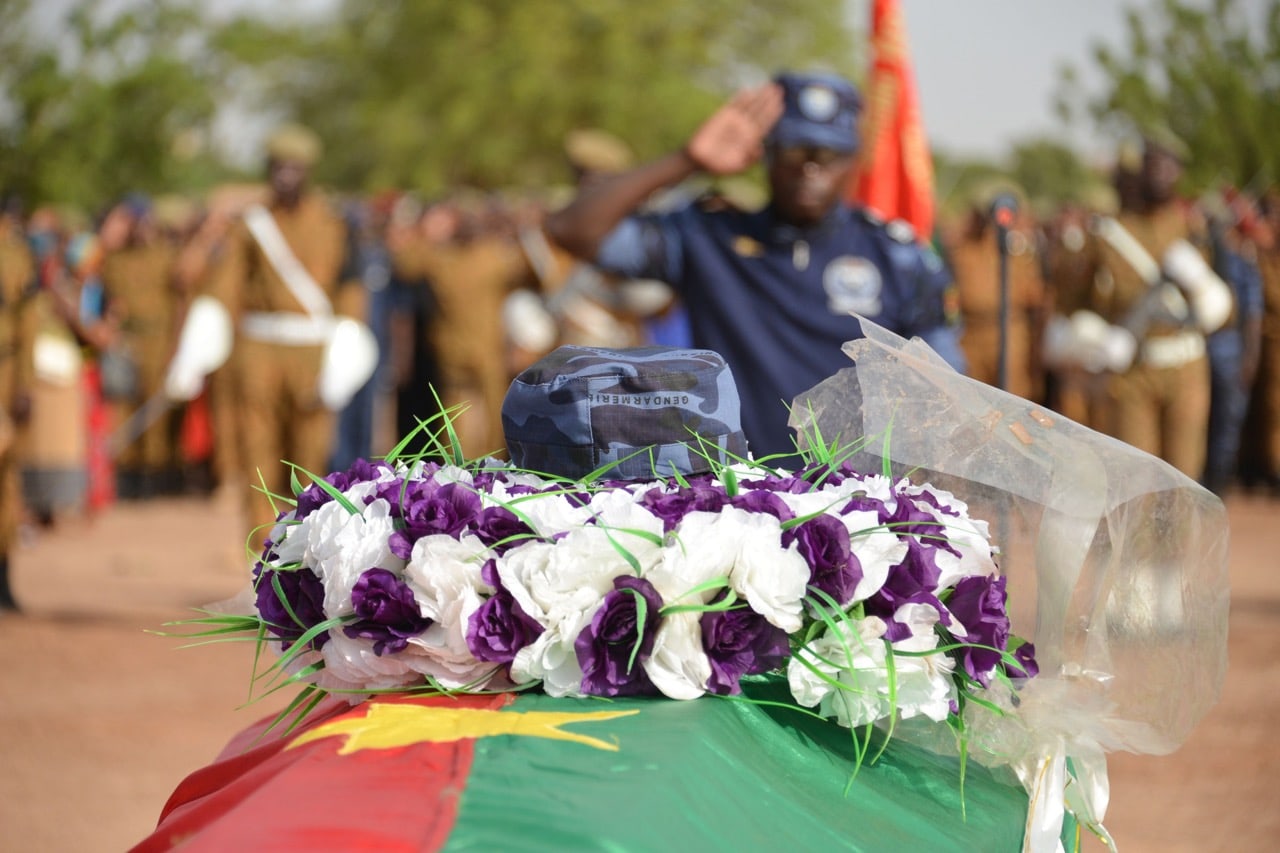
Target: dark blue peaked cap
[(818, 109)]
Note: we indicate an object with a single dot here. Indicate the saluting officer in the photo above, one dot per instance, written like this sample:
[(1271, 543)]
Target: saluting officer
[(772, 290)]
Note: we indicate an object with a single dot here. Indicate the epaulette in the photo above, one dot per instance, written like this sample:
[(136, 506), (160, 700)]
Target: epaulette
[(868, 215), (900, 230)]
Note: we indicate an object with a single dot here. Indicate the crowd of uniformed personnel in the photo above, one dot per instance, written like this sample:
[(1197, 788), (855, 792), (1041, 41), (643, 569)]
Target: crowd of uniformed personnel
[(463, 291)]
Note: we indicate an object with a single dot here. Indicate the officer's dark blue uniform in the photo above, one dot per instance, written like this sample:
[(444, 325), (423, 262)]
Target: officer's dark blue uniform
[(775, 300)]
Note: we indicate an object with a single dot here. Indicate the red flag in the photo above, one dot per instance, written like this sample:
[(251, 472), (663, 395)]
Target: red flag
[(894, 174)]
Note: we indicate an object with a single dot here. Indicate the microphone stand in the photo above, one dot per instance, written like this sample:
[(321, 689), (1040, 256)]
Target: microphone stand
[(1002, 212)]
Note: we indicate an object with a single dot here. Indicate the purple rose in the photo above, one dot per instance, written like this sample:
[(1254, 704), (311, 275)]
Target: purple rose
[(361, 471), (612, 649), (931, 499), (740, 642), (865, 503), (430, 508), (500, 529), (1025, 655), (978, 604), (304, 593), (673, 506), (500, 628), (764, 502), (824, 543), (388, 611), (913, 581), (908, 518), (772, 482)]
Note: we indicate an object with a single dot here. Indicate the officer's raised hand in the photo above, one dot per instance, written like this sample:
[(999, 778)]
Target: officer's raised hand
[(732, 139), (726, 143)]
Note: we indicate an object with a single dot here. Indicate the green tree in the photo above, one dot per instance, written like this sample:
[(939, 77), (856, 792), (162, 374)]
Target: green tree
[(1210, 74), (436, 94), (1048, 171), (111, 105)]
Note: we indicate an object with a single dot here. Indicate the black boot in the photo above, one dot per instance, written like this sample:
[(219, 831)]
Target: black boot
[(7, 601)]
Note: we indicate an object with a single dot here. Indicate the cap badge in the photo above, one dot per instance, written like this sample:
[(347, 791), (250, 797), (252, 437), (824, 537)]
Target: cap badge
[(818, 103)]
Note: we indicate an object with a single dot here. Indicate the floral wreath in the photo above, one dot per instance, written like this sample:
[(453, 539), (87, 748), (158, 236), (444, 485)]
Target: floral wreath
[(880, 599)]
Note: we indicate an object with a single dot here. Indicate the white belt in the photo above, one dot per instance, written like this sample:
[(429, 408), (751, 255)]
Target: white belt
[(1174, 350), (286, 328)]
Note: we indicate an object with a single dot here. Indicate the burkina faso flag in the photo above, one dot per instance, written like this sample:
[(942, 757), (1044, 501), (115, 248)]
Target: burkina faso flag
[(528, 772)]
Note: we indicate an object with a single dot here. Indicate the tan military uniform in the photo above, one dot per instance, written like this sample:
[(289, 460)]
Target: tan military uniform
[(138, 286), (1072, 266), (273, 376), (470, 282), (17, 330), (1161, 404), (975, 267)]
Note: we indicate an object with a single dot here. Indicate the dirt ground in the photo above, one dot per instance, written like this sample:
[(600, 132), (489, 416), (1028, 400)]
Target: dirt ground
[(99, 719)]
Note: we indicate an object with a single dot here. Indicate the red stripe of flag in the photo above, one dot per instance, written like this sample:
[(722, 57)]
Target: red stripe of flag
[(398, 799)]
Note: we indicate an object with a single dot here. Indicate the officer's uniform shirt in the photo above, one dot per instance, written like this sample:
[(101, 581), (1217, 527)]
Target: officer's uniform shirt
[(775, 300)]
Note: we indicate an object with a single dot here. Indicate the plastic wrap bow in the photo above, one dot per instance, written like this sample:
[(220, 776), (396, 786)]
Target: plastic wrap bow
[(1117, 565)]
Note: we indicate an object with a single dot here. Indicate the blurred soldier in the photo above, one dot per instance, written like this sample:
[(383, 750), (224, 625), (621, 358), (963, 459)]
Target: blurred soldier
[(1157, 298), (138, 291), (197, 258), (17, 283), (1228, 226), (974, 257), (470, 275), (1264, 423), (1075, 391), (278, 277)]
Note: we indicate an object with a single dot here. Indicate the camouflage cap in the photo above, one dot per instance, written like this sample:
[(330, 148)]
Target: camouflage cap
[(580, 408)]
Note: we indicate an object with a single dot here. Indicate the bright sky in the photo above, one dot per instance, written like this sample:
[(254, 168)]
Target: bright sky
[(987, 70)]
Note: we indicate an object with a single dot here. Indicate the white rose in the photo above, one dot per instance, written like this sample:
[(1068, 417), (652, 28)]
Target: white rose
[(557, 582), (442, 652), (920, 620), (924, 683), (678, 667), (351, 662), (838, 653), (342, 546), (972, 539), (441, 570), (877, 548), (549, 514), (772, 580), (290, 538), (553, 659)]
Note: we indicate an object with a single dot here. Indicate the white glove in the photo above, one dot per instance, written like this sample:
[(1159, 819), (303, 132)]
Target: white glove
[(528, 324), (1209, 295), (350, 358), (204, 344), (1087, 341)]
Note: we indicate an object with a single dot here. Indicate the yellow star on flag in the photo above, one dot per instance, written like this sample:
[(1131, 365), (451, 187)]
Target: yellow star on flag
[(385, 726)]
